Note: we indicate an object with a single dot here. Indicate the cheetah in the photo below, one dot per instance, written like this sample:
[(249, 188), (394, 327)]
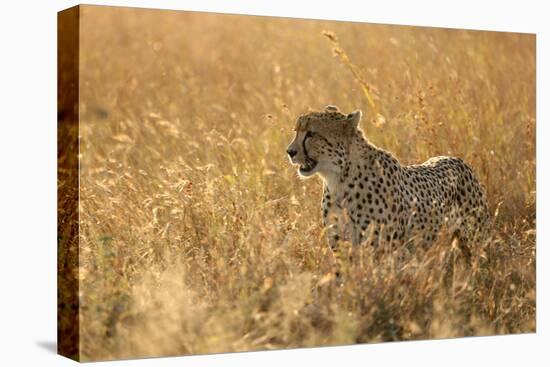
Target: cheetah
[(368, 196)]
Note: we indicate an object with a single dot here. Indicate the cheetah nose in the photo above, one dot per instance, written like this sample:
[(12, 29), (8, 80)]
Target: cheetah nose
[(291, 152)]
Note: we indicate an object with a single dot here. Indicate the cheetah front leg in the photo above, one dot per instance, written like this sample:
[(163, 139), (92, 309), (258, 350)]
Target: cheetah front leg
[(331, 219), (355, 236)]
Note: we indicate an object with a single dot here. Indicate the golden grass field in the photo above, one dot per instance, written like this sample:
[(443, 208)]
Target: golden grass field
[(196, 234)]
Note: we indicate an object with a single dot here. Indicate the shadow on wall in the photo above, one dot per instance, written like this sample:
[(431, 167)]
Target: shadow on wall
[(48, 345)]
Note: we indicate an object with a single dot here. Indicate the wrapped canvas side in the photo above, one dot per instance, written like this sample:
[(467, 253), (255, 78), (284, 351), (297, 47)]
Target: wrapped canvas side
[(68, 183)]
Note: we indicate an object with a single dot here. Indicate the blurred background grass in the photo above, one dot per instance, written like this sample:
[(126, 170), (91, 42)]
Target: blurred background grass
[(198, 237)]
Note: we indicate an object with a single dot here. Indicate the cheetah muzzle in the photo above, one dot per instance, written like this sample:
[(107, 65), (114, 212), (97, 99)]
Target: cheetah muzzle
[(307, 167)]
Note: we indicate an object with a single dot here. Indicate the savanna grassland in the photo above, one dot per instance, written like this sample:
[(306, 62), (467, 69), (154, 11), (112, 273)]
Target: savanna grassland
[(196, 234)]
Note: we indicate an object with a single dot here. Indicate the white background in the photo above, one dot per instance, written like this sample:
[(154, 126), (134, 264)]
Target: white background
[(28, 181)]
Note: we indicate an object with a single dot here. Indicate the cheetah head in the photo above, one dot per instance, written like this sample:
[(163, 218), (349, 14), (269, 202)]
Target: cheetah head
[(322, 141)]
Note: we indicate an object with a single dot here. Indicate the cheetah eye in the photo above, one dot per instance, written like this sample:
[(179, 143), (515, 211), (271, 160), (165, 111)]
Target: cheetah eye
[(309, 134)]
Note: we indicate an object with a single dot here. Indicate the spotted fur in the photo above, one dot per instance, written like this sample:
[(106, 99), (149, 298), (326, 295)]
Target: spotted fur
[(368, 196)]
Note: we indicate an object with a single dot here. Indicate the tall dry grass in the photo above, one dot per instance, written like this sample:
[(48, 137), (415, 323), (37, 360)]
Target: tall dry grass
[(197, 235)]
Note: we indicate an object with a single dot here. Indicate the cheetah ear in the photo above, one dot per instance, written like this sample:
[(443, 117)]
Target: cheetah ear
[(354, 118), (331, 108)]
